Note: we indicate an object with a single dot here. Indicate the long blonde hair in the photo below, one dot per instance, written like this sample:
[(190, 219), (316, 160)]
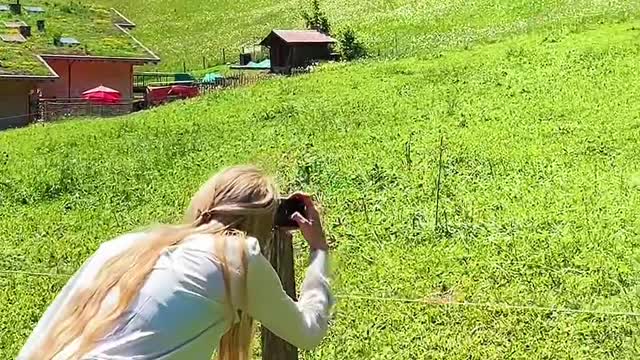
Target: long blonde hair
[(237, 202)]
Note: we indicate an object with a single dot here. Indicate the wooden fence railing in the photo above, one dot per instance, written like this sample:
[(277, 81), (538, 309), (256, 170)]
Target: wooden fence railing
[(142, 80), (231, 82), (53, 109)]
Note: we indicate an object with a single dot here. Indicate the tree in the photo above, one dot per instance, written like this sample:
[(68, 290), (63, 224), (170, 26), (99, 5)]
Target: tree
[(351, 47), (316, 18)]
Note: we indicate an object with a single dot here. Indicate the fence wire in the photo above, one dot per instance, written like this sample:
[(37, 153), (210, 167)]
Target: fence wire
[(423, 301)]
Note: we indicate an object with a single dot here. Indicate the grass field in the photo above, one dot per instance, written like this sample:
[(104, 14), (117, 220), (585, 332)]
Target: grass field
[(539, 194), (539, 199), (185, 31)]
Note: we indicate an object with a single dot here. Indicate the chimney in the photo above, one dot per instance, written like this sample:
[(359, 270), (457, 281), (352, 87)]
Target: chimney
[(16, 8), (41, 25), (25, 31)]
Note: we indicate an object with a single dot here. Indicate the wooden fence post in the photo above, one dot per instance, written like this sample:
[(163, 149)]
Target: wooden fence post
[(44, 110), (280, 254)]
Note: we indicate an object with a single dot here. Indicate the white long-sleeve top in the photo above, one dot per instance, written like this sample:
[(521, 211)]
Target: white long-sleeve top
[(182, 311)]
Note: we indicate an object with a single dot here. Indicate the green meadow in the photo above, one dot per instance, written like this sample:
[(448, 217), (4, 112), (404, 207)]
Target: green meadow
[(502, 173), (186, 31)]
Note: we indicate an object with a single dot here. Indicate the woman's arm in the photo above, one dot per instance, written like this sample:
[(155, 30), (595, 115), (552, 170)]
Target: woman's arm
[(303, 323)]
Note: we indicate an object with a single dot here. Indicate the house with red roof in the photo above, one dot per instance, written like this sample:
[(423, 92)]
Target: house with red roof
[(291, 49)]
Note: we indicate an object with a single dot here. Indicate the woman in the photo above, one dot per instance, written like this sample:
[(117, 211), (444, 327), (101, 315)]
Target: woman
[(185, 292)]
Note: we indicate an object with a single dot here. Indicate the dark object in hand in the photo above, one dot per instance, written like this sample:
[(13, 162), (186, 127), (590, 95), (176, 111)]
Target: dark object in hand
[(286, 209)]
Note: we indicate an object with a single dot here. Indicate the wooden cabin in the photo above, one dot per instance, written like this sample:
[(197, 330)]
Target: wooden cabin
[(17, 96), (290, 49)]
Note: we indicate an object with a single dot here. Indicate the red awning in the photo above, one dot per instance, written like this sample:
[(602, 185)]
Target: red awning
[(102, 95), (157, 95), (183, 91), (161, 94)]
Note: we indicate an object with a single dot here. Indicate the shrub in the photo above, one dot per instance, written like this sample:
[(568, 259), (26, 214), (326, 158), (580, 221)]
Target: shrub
[(316, 18), (351, 47)]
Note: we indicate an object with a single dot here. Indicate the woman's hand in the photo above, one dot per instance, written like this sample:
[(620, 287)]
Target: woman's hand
[(310, 226)]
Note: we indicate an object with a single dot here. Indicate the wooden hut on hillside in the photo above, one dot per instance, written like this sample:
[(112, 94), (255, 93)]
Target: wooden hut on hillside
[(296, 48)]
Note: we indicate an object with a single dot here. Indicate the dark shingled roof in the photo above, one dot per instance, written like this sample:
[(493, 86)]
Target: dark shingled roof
[(300, 37)]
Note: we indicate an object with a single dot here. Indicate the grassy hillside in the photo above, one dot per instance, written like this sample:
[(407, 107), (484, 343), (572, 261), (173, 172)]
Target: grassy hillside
[(188, 30), (539, 194)]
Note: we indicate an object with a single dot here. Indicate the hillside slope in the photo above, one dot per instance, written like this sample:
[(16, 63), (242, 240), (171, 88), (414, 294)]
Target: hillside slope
[(538, 201), (185, 31)]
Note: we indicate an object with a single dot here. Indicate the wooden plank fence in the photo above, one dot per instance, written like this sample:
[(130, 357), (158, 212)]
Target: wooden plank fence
[(53, 109), (232, 81)]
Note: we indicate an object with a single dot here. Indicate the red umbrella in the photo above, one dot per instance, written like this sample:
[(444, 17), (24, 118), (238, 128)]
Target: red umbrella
[(102, 95)]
